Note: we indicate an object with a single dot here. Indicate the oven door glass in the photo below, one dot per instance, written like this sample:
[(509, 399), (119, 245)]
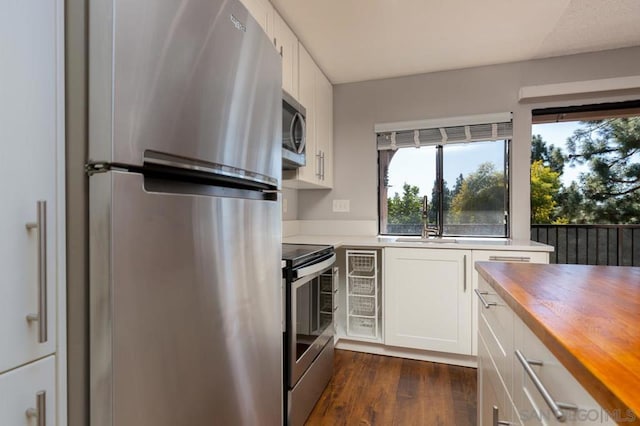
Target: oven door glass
[(312, 326)]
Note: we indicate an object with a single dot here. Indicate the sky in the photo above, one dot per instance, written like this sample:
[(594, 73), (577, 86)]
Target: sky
[(417, 166), (557, 134)]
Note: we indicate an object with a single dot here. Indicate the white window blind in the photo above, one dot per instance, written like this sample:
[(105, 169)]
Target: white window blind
[(442, 131)]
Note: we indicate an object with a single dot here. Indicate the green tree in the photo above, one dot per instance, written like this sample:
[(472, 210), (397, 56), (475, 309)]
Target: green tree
[(550, 155), (611, 148), (435, 201), (481, 198), (545, 184), (572, 206), (406, 209)]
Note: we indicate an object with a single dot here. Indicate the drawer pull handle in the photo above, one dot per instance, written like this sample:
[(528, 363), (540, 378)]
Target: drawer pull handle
[(41, 227), (40, 412), (556, 407), (486, 304), (509, 258), (497, 422)]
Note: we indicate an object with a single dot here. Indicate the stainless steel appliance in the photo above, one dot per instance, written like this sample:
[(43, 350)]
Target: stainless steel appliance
[(294, 136), (185, 223), (310, 287)]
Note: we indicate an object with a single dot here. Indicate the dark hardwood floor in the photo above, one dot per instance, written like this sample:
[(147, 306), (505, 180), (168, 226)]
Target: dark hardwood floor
[(379, 390)]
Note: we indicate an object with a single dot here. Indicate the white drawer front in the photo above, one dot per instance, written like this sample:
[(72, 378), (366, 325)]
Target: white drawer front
[(495, 324), (560, 384), (18, 394), (494, 403)]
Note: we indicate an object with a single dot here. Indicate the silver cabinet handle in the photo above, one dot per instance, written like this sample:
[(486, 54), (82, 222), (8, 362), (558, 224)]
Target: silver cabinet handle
[(319, 170), (322, 157), (281, 51), (41, 226), (40, 412), (509, 258), (555, 407), (464, 271), (495, 417), (486, 304)]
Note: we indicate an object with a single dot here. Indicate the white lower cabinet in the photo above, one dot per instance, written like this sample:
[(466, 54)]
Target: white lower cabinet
[(497, 256), (428, 299), (494, 406), (510, 358), (29, 392)]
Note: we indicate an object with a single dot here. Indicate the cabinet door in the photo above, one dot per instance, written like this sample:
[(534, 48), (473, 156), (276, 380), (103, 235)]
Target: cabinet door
[(497, 256), (559, 383), (308, 70), (21, 390), (324, 127), (28, 129), (428, 299), (287, 45), (494, 403), (262, 11)]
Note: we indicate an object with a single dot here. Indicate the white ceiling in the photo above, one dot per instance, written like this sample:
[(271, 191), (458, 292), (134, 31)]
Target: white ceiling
[(356, 40)]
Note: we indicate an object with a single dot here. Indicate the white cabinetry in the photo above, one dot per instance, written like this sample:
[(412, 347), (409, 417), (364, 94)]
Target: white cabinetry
[(505, 386), (316, 95), (28, 392), (286, 43), (497, 256), (263, 12), (32, 292), (324, 128), (364, 312), (428, 299)]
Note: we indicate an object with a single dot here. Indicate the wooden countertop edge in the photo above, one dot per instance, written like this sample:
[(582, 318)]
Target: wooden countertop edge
[(598, 389)]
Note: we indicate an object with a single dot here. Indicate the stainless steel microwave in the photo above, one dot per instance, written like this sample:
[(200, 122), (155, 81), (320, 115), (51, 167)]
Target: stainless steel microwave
[(293, 133)]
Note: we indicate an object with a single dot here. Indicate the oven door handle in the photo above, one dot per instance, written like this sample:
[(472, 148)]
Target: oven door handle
[(316, 267)]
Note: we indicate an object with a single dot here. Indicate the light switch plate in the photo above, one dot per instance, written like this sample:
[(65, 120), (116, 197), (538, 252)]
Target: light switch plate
[(285, 205), (341, 206)]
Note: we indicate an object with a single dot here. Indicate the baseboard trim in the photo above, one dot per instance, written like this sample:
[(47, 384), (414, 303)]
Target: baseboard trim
[(420, 355)]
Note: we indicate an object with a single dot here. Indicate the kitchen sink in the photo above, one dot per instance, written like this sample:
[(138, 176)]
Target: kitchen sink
[(436, 240)]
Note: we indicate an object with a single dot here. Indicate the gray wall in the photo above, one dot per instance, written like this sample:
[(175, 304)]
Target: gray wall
[(489, 89), (290, 197)]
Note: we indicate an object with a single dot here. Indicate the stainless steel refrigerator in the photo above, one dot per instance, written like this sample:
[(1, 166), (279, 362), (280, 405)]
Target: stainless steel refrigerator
[(185, 221)]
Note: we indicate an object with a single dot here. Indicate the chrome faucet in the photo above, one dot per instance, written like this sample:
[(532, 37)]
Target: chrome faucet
[(427, 231)]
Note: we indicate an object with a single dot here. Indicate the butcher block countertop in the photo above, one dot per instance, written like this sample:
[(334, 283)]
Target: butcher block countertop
[(588, 317)]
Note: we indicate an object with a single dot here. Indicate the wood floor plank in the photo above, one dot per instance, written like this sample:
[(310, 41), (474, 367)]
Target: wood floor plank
[(370, 389)]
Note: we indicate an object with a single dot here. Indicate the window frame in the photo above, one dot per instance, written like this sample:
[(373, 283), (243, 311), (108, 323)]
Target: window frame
[(440, 183)]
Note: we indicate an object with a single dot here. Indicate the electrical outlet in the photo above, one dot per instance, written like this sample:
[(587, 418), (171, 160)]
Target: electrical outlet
[(341, 206), (285, 205)]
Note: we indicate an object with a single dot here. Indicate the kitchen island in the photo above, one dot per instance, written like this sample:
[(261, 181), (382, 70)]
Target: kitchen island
[(586, 316)]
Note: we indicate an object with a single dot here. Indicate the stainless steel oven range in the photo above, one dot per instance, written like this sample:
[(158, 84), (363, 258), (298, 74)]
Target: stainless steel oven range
[(310, 285)]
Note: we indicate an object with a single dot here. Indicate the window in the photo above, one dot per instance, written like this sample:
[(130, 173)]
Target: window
[(585, 182), (464, 179)]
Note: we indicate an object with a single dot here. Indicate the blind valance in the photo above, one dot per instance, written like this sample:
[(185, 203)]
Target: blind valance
[(443, 131)]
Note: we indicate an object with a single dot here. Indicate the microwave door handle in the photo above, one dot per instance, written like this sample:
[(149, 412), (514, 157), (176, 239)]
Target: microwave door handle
[(301, 126), (292, 137)]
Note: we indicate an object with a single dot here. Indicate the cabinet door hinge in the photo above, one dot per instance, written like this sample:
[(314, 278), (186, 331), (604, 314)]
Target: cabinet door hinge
[(95, 167)]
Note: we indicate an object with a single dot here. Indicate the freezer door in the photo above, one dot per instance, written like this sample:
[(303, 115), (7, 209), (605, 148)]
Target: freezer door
[(186, 308), (197, 79)]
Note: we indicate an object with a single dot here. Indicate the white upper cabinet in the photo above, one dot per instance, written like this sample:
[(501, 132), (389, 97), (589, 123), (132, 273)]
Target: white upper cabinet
[(263, 12), (428, 299), (286, 43), (308, 71), (30, 133), (324, 128), (316, 95)]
